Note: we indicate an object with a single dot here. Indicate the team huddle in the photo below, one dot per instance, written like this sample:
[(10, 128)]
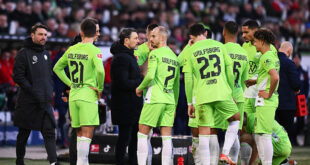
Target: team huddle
[(227, 86)]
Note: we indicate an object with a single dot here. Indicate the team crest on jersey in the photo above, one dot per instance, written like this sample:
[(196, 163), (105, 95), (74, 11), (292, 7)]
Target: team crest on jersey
[(45, 57), (99, 56)]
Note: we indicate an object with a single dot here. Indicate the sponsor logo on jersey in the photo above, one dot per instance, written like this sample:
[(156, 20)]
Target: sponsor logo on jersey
[(253, 67), (94, 148), (99, 56)]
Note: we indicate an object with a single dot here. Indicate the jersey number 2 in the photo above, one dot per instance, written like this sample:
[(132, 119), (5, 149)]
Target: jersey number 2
[(171, 76), (77, 69), (206, 64)]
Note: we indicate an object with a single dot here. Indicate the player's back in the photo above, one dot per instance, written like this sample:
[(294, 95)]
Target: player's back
[(208, 59), (167, 73), (240, 64), (81, 61)]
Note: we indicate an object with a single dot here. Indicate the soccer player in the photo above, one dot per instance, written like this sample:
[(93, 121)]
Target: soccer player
[(143, 50), (87, 78), (250, 93), (210, 64), (142, 54), (162, 80), (193, 122), (280, 141), (240, 69), (267, 99)]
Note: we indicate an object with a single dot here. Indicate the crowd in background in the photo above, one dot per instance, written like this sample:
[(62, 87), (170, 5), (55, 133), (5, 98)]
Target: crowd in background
[(288, 19)]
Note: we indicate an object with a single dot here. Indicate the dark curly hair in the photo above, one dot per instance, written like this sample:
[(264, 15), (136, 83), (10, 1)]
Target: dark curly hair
[(265, 35)]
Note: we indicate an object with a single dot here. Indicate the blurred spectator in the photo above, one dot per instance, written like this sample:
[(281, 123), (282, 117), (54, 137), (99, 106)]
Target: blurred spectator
[(62, 30), (141, 36), (37, 15), (52, 26), (6, 68), (4, 27)]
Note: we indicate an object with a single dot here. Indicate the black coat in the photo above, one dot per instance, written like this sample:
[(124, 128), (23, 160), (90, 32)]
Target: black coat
[(289, 83), (125, 78), (33, 73)]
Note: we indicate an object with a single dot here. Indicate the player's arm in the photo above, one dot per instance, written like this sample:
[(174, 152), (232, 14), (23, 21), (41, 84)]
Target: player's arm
[(228, 68), (151, 71), (244, 76), (268, 64), (182, 55), (176, 86), (59, 69), (100, 71)]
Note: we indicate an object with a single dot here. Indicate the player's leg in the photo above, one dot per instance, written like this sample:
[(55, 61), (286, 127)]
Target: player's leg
[(214, 145), (281, 150), (205, 122), (148, 119), (193, 124), (165, 122), (150, 152), (88, 119), (263, 130), (229, 111), (219, 123), (234, 151)]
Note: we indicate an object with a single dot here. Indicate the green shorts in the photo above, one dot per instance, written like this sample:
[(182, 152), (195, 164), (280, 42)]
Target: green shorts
[(157, 115), (83, 113), (264, 119), (193, 122), (213, 114), (220, 123), (250, 123), (249, 105)]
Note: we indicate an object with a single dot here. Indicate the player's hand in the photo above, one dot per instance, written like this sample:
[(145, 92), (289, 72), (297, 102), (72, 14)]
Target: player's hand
[(139, 92), (98, 93), (191, 111), (249, 82), (263, 94)]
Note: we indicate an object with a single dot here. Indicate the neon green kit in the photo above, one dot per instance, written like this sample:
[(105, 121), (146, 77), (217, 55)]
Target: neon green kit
[(281, 144), (210, 64), (86, 70), (265, 111), (240, 68), (142, 53), (162, 80)]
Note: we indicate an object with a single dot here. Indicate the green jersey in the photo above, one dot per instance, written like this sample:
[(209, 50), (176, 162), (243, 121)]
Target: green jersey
[(142, 53), (182, 55), (162, 77), (240, 68), (280, 138), (210, 64), (269, 60), (86, 70), (253, 62)]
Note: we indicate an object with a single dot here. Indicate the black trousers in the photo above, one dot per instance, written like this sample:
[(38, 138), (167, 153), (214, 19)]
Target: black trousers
[(286, 119), (127, 136), (48, 132)]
